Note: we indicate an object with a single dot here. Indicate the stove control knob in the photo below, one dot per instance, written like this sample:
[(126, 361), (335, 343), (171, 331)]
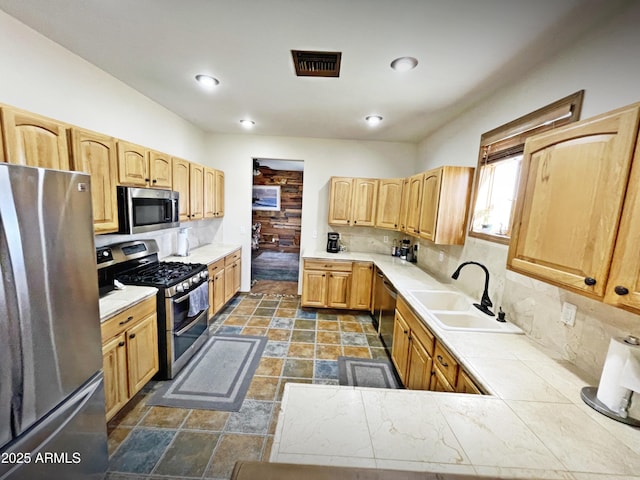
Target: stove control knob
[(203, 275), (179, 288), (185, 285)]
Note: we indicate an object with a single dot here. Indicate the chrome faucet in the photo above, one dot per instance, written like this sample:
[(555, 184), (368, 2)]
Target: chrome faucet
[(485, 302)]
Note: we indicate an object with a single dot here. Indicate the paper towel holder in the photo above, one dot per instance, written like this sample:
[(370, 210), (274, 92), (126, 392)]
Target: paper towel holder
[(589, 396)]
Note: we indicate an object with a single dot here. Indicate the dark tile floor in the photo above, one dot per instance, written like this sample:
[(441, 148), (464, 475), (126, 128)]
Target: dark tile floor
[(303, 346)]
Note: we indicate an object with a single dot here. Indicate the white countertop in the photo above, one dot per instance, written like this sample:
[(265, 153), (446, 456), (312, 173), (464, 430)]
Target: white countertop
[(532, 425), (205, 254), (116, 301)]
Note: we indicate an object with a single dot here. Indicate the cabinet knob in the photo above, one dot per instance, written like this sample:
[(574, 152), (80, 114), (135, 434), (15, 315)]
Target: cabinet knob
[(355, 221), (620, 290), (155, 180), (133, 335), (147, 180), (121, 344), (406, 331), (590, 281), (323, 275)]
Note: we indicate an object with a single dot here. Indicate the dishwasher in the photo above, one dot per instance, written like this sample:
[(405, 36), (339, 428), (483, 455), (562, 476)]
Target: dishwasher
[(385, 296)]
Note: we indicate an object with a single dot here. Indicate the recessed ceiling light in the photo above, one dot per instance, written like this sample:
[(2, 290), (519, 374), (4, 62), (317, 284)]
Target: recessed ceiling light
[(403, 64), (373, 120), (207, 81), (247, 123)]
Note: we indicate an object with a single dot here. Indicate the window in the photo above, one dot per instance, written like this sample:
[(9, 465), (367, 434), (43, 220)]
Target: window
[(498, 172)]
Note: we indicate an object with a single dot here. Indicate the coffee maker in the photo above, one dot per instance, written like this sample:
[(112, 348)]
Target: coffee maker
[(333, 242)]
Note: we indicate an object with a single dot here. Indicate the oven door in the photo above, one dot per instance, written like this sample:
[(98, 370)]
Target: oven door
[(186, 334)]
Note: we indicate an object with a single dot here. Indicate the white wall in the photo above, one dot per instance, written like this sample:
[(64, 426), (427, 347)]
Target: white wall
[(606, 65), (322, 159), (40, 76)]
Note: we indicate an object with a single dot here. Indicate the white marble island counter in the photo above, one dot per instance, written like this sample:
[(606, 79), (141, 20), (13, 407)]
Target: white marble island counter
[(532, 425)]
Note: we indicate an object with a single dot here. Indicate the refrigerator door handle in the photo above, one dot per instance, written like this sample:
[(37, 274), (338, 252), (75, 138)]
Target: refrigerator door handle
[(40, 434)]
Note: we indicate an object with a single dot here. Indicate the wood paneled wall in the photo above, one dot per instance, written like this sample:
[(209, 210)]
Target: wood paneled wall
[(281, 230)]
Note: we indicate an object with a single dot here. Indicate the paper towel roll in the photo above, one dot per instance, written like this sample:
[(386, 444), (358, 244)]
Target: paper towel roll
[(620, 375)]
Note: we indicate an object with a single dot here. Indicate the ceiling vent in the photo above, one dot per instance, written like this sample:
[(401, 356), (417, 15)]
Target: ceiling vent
[(316, 64)]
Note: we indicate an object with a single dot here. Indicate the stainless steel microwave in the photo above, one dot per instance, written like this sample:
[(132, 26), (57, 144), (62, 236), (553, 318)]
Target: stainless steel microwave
[(143, 210)]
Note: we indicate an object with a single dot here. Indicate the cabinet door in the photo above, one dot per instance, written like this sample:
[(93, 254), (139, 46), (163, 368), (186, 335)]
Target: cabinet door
[(570, 198), (228, 283), (389, 201), (404, 205), (400, 346), (361, 285), (420, 366), (429, 206), (219, 193), (314, 288), (34, 141), (439, 383), (142, 352), (364, 203), (340, 198), (218, 298), (95, 154), (114, 365), (338, 289), (180, 183), (237, 275), (466, 385), (160, 169), (196, 191), (413, 205), (209, 193), (133, 165)]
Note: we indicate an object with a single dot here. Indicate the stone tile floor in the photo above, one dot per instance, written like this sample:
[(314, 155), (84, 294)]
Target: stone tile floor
[(303, 346)]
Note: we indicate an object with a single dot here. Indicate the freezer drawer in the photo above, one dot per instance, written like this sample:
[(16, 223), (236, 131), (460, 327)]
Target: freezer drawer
[(69, 443)]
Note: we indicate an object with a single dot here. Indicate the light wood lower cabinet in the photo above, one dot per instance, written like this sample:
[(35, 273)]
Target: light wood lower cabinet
[(129, 352), (225, 277), (421, 360), (337, 284)]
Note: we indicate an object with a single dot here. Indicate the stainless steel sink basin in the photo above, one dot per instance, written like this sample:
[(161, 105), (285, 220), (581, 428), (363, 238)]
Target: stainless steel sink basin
[(441, 300), (473, 322)]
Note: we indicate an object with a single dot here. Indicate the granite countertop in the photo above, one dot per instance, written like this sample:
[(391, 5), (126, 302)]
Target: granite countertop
[(209, 253), (533, 423)]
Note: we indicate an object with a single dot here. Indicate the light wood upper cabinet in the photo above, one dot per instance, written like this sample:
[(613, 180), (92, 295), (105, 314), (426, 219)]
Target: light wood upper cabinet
[(579, 192), (340, 197), (95, 154), (446, 192), (353, 201), (33, 140), (160, 170), (414, 203), (389, 203), (180, 183), (209, 193), (404, 205), (133, 164), (219, 193), (196, 191)]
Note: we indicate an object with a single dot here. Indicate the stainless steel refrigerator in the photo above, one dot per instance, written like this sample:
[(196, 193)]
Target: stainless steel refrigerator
[(52, 413)]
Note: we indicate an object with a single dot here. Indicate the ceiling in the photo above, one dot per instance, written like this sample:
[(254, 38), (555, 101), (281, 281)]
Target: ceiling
[(466, 49)]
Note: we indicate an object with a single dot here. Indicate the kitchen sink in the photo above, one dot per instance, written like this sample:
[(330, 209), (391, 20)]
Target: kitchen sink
[(441, 300), (473, 322)]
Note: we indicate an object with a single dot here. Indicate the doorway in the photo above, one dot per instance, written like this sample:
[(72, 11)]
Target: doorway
[(276, 225)]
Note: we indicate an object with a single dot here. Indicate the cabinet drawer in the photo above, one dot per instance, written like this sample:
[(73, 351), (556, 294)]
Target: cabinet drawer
[(215, 267), (232, 257), (333, 265), (120, 322), (445, 363)]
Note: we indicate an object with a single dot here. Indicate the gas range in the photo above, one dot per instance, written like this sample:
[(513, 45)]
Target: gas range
[(182, 301)]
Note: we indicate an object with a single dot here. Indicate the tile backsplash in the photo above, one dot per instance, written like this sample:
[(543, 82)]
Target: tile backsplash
[(533, 305)]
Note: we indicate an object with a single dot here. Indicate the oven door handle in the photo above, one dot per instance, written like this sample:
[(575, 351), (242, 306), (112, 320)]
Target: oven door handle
[(184, 329), (182, 299)]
